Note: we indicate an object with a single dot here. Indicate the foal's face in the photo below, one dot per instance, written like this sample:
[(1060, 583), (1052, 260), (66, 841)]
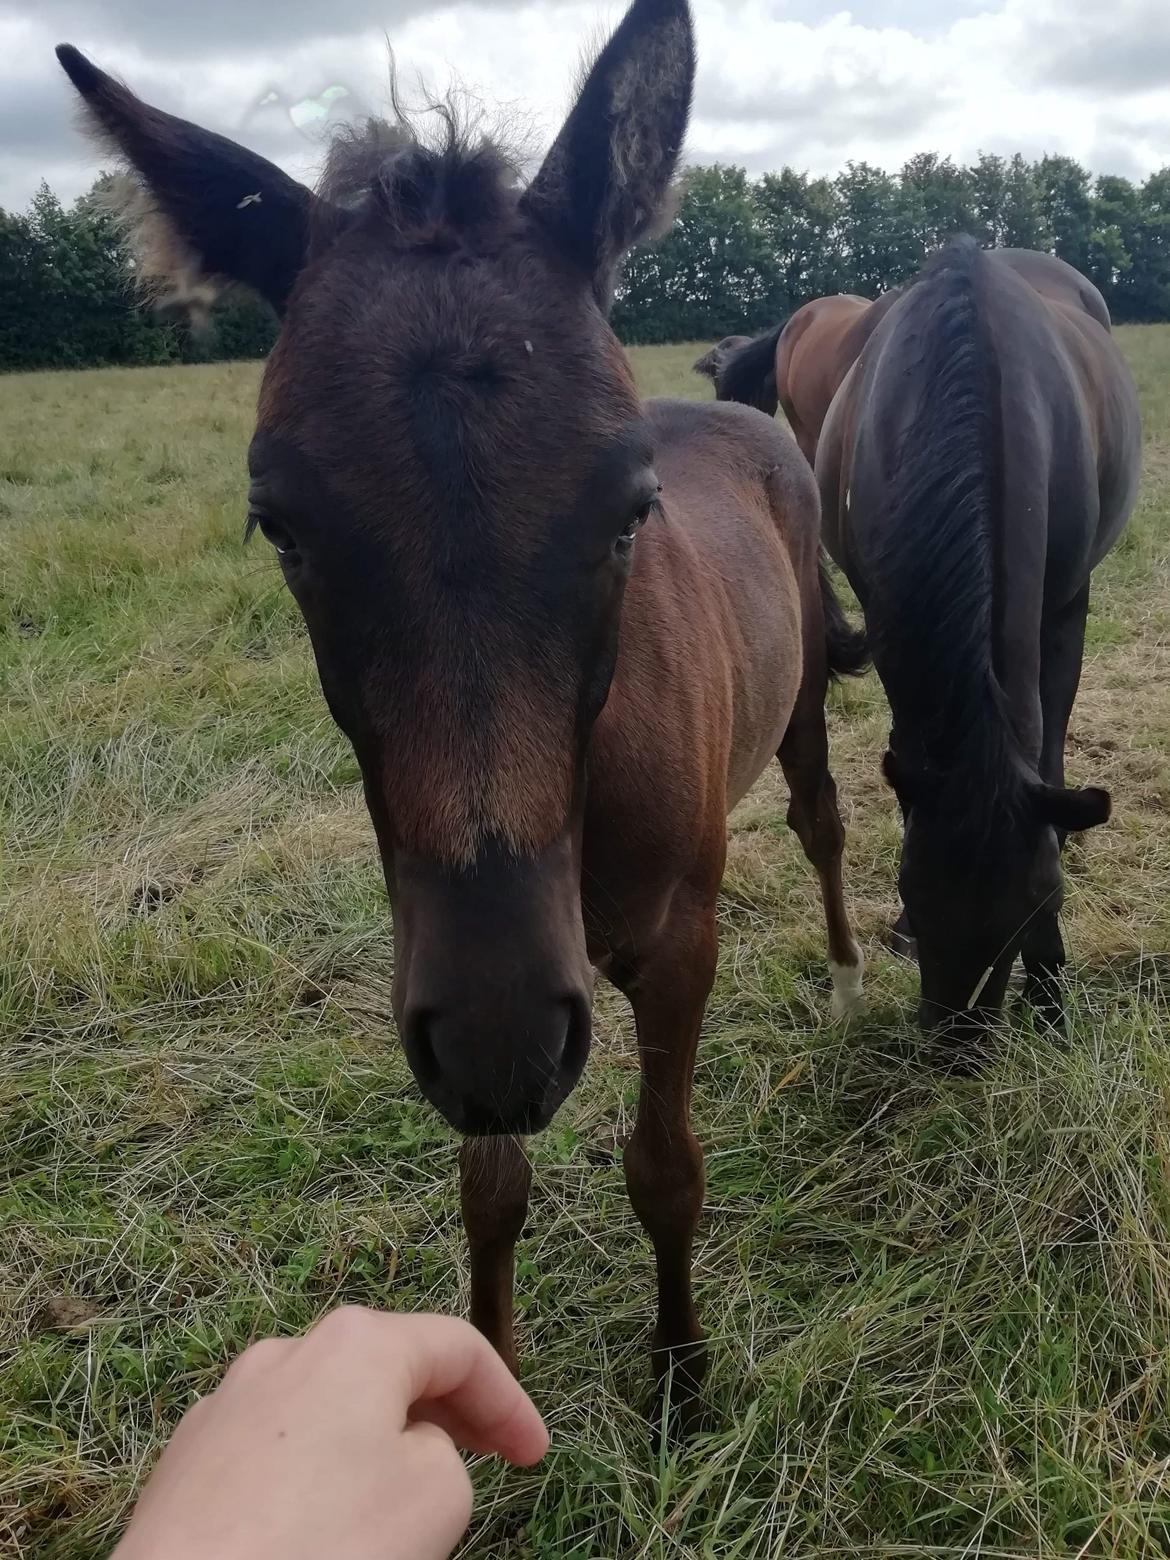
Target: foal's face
[(457, 518), (451, 463)]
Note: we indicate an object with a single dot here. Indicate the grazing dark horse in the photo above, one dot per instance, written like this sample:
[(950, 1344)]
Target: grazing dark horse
[(712, 360), (802, 363), (469, 502), (981, 458)]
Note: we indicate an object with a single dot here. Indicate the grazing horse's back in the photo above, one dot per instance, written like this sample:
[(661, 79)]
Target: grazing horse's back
[(978, 462)]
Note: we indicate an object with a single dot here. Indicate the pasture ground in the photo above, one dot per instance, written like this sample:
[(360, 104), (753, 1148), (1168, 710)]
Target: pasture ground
[(940, 1308)]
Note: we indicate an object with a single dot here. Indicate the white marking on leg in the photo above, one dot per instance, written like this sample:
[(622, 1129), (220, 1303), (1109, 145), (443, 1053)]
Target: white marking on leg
[(848, 997)]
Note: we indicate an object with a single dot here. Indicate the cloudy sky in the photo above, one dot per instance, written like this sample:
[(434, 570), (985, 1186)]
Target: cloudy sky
[(780, 81)]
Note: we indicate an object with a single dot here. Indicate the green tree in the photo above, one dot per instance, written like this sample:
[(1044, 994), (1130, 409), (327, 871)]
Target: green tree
[(799, 218), (1067, 207), (878, 245), (936, 199), (712, 274)]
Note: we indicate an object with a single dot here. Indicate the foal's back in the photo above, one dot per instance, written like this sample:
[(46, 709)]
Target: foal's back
[(711, 656)]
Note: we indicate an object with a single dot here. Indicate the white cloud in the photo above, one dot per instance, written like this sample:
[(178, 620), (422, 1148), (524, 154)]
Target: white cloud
[(777, 83)]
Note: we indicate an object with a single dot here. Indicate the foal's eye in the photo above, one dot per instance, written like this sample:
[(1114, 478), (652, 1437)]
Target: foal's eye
[(637, 520)]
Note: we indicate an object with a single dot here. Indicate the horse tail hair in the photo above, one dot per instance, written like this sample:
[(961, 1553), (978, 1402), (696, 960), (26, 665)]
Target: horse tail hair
[(847, 647), (749, 375)]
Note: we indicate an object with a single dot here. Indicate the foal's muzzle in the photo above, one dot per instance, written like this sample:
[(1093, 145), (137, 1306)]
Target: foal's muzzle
[(493, 987), (504, 1072)]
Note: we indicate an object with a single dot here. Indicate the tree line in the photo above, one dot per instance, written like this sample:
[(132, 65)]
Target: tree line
[(741, 255)]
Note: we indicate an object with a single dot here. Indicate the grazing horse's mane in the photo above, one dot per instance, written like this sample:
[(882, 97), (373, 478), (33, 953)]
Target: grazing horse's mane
[(939, 549)]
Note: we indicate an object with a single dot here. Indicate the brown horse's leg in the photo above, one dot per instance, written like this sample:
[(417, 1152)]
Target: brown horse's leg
[(663, 1159), (815, 819), (494, 1177)]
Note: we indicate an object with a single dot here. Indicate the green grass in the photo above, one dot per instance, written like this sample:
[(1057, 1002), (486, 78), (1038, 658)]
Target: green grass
[(940, 1308)]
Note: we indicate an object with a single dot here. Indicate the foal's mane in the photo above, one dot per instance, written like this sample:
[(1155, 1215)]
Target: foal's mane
[(934, 576), (435, 179)]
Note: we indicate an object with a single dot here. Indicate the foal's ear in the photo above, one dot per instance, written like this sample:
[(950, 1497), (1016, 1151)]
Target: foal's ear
[(605, 184), (205, 207), (1073, 810)]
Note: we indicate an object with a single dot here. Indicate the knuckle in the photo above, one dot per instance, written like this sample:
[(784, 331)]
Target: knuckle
[(348, 1324), (256, 1357)]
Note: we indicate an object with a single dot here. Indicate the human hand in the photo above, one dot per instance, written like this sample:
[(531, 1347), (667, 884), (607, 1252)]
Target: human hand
[(340, 1443)]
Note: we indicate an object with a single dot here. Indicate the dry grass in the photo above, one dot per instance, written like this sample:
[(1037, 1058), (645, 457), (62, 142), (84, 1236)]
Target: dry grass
[(940, 1308)]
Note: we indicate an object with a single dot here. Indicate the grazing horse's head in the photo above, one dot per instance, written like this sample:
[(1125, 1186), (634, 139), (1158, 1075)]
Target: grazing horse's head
[(980, 865), (451, 463)]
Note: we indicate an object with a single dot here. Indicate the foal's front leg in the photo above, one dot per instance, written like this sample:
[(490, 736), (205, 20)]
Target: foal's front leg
[(663, 1159), (494, 1179)]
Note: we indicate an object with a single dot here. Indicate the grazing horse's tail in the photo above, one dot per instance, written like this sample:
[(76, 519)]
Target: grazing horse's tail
[(847, 647), (749, 375)]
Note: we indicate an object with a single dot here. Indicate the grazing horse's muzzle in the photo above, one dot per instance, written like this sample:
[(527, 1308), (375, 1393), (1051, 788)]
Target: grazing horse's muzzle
[(958, 1010), (493, 987)]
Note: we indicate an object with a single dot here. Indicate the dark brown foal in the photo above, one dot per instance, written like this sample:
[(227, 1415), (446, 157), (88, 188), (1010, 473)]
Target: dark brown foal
[(564, 630)]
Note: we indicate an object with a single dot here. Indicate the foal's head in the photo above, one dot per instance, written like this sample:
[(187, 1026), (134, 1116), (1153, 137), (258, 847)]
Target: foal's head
[(451, 463)]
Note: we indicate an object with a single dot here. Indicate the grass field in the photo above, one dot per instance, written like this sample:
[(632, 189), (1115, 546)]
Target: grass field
[(940, 1308)]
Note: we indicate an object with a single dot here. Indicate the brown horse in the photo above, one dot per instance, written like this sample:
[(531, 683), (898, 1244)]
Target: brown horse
[(798, 365), (802, 363), (469, 502), (980, 459)]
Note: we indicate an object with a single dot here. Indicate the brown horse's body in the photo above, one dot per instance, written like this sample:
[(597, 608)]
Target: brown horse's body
[(819, 344), (816, 350), (563, 629)]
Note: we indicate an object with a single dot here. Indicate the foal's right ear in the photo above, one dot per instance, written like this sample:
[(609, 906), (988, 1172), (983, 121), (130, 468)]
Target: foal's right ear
[(210, 208), (605, 183)]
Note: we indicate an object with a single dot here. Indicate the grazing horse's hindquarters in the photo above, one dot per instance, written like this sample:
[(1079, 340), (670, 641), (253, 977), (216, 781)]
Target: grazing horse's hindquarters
[(980, 460), (468, 501)]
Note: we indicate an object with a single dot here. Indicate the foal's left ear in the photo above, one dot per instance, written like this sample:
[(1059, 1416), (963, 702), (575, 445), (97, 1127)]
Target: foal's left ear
[(1073, 810), (605, 183)]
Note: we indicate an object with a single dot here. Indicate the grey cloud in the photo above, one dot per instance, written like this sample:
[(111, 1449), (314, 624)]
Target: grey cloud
[(179, 29), (1120, 48), (40, 129), (824, 111)]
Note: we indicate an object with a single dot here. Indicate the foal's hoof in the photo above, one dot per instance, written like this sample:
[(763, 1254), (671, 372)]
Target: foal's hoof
[(848, 983), (676, 1410), (675, 1420)]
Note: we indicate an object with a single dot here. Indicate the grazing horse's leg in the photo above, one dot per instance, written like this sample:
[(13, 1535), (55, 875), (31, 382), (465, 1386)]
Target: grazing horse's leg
[(494, 1177), (816, 821), (1062, 651), (663, 1160)]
